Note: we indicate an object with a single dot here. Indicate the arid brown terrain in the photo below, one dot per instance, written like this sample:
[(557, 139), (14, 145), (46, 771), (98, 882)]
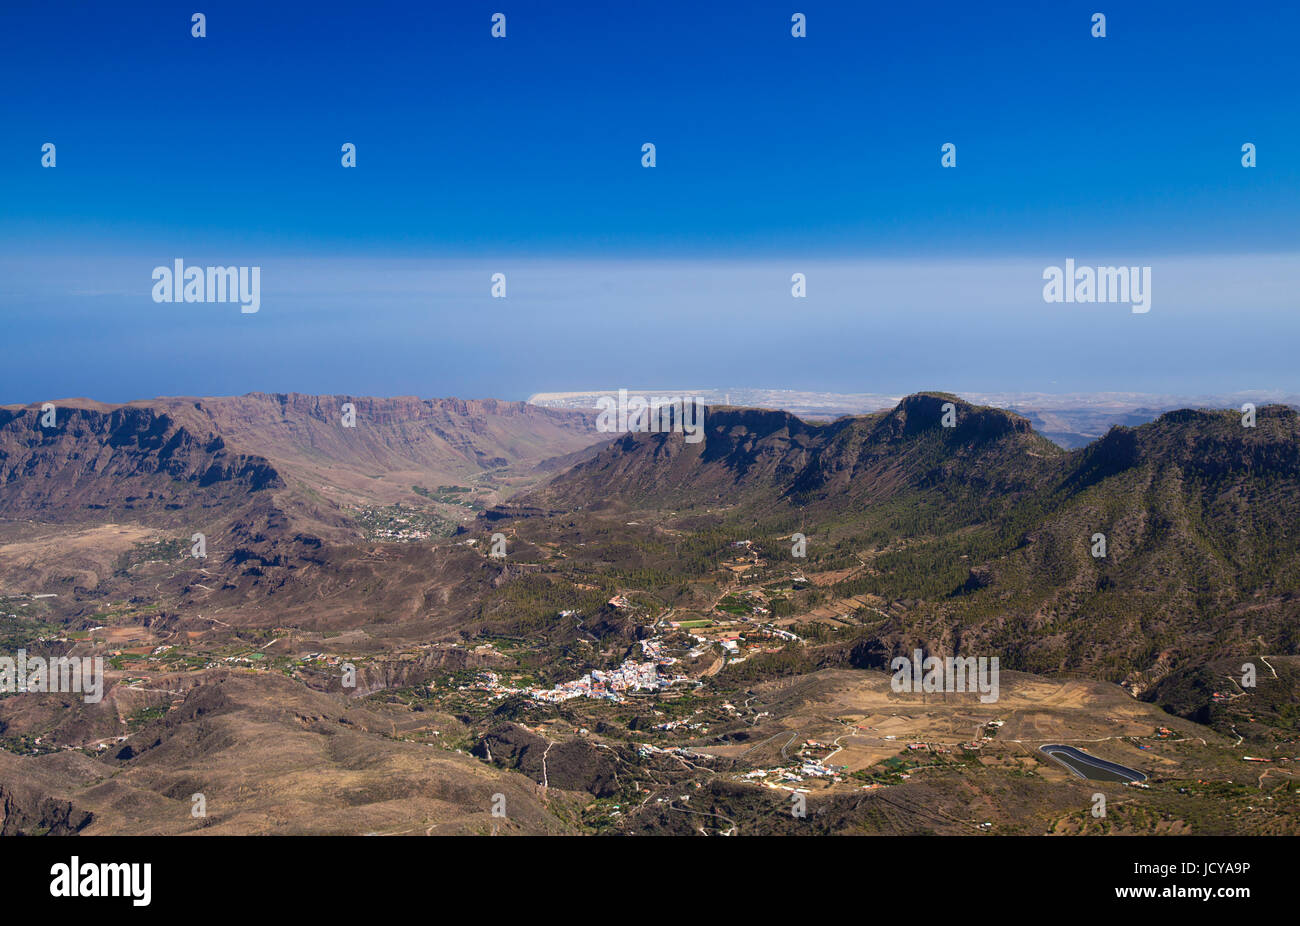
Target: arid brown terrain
[(475, 617)]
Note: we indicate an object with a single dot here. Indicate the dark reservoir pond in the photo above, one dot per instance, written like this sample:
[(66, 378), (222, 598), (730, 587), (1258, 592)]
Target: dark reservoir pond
[(1089, 766)]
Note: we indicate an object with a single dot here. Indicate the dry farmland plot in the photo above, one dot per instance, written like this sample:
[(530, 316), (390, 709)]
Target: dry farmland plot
[(37, 556), (858, 713)]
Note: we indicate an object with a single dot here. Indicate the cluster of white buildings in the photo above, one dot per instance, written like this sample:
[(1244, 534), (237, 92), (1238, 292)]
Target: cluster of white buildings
[(318, 657), (786, 777), (406, 533), (611, 685), (647, 749)]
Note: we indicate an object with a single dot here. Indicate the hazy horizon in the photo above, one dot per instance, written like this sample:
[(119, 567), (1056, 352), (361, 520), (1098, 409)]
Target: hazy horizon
[(88, 327)]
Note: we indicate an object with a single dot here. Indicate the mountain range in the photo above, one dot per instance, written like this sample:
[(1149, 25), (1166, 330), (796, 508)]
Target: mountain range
[(996, 529), (461, 554)]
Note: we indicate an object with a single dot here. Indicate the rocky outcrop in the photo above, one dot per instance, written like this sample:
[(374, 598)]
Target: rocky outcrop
[(575, 765), (93, 465), (24, 812)]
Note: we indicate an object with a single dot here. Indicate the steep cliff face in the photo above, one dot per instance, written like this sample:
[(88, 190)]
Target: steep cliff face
[(24, 811), (1211, 445), (146, 459), (305, 435), (273, 482), (771, 457), (874, 458), (99, 465), (745, 451), (986, 460)]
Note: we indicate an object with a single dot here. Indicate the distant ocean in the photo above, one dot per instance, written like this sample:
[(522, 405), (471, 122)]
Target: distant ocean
[(78, 326)]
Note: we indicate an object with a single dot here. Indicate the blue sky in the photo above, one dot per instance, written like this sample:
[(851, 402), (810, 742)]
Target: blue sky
[(523, 155)]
